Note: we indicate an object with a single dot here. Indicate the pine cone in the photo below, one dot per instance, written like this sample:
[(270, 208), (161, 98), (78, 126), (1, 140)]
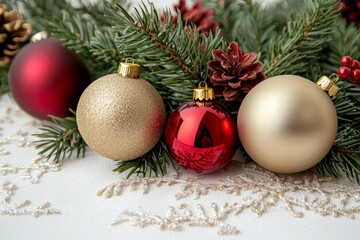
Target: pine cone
[(233, 74), (350, 10), (13, 33), (196, 15)]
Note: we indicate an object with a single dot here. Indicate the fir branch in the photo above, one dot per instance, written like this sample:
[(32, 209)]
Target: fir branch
[(103, 12), (156, 161), (345, 40), (94, 43), (174, 57), (347, 103), (254, 30), (281, 12), (42, 12), (60, 141), (226, 13), (246, 22), (300, 43), (344, 155)]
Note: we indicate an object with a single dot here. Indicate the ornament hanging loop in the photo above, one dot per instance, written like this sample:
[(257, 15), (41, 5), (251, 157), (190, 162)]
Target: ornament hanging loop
[(334, 77), (127, 60), (202, 84), (129, 69), (329, 85)]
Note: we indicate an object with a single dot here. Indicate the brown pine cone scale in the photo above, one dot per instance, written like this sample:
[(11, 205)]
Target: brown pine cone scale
[(233, 74), (13, 34)]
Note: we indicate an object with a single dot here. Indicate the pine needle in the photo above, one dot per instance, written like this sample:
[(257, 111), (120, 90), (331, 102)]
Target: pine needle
[(60, 140)]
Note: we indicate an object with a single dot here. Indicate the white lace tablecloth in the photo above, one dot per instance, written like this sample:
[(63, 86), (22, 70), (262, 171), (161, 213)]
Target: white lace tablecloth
[(82, 197)]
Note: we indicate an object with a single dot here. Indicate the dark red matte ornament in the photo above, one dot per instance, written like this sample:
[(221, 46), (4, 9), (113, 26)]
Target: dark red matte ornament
[(47, 78)]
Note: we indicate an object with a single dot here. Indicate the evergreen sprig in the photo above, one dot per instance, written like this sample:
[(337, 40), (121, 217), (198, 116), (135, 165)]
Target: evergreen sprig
[(344, 156), (154, 162), (174, 58), (345, 40), (60, 140), (247, 23), (299, 47)]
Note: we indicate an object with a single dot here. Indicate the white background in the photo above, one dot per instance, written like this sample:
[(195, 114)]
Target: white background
[(87, 216)]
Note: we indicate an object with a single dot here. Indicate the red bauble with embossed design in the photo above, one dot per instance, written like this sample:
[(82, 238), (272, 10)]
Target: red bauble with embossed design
[(47, 78), (201, 136)]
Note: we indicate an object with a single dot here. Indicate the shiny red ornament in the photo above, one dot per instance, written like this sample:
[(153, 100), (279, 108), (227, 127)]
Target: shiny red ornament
[(201, 136), (47, 78)]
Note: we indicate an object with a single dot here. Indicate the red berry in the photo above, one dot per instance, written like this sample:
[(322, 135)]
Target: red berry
[(355, 65), (344, 72), (355, 75), (346, 61), (343, 7)]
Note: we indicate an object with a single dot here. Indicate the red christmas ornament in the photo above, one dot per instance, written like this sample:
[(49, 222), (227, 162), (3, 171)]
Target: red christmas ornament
[(200, 135), (47, 78)]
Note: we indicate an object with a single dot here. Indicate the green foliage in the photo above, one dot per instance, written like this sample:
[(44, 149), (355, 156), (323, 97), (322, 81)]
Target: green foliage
[(300, 44), (282, 11), (345, 40), (60, 140), (174, 58), (345, 154), (156, 161), (247, 23), (4, 88)]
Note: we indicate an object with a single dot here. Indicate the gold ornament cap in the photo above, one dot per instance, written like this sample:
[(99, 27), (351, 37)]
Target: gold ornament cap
[(129, 69), (328, 85), (39, 36), (203, 92)]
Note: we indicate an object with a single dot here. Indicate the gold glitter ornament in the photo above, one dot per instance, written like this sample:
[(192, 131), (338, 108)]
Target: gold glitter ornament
[(121, 116), (287, 123)]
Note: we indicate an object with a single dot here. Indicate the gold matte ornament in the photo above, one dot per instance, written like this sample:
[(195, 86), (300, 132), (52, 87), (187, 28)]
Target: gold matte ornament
[(287, 124), (121, 117)]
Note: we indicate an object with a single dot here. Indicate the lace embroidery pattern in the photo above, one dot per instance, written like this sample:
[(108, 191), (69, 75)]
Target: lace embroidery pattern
[(256, 189), (183, 215), (33, 171), (23, 208), (20, 138)]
